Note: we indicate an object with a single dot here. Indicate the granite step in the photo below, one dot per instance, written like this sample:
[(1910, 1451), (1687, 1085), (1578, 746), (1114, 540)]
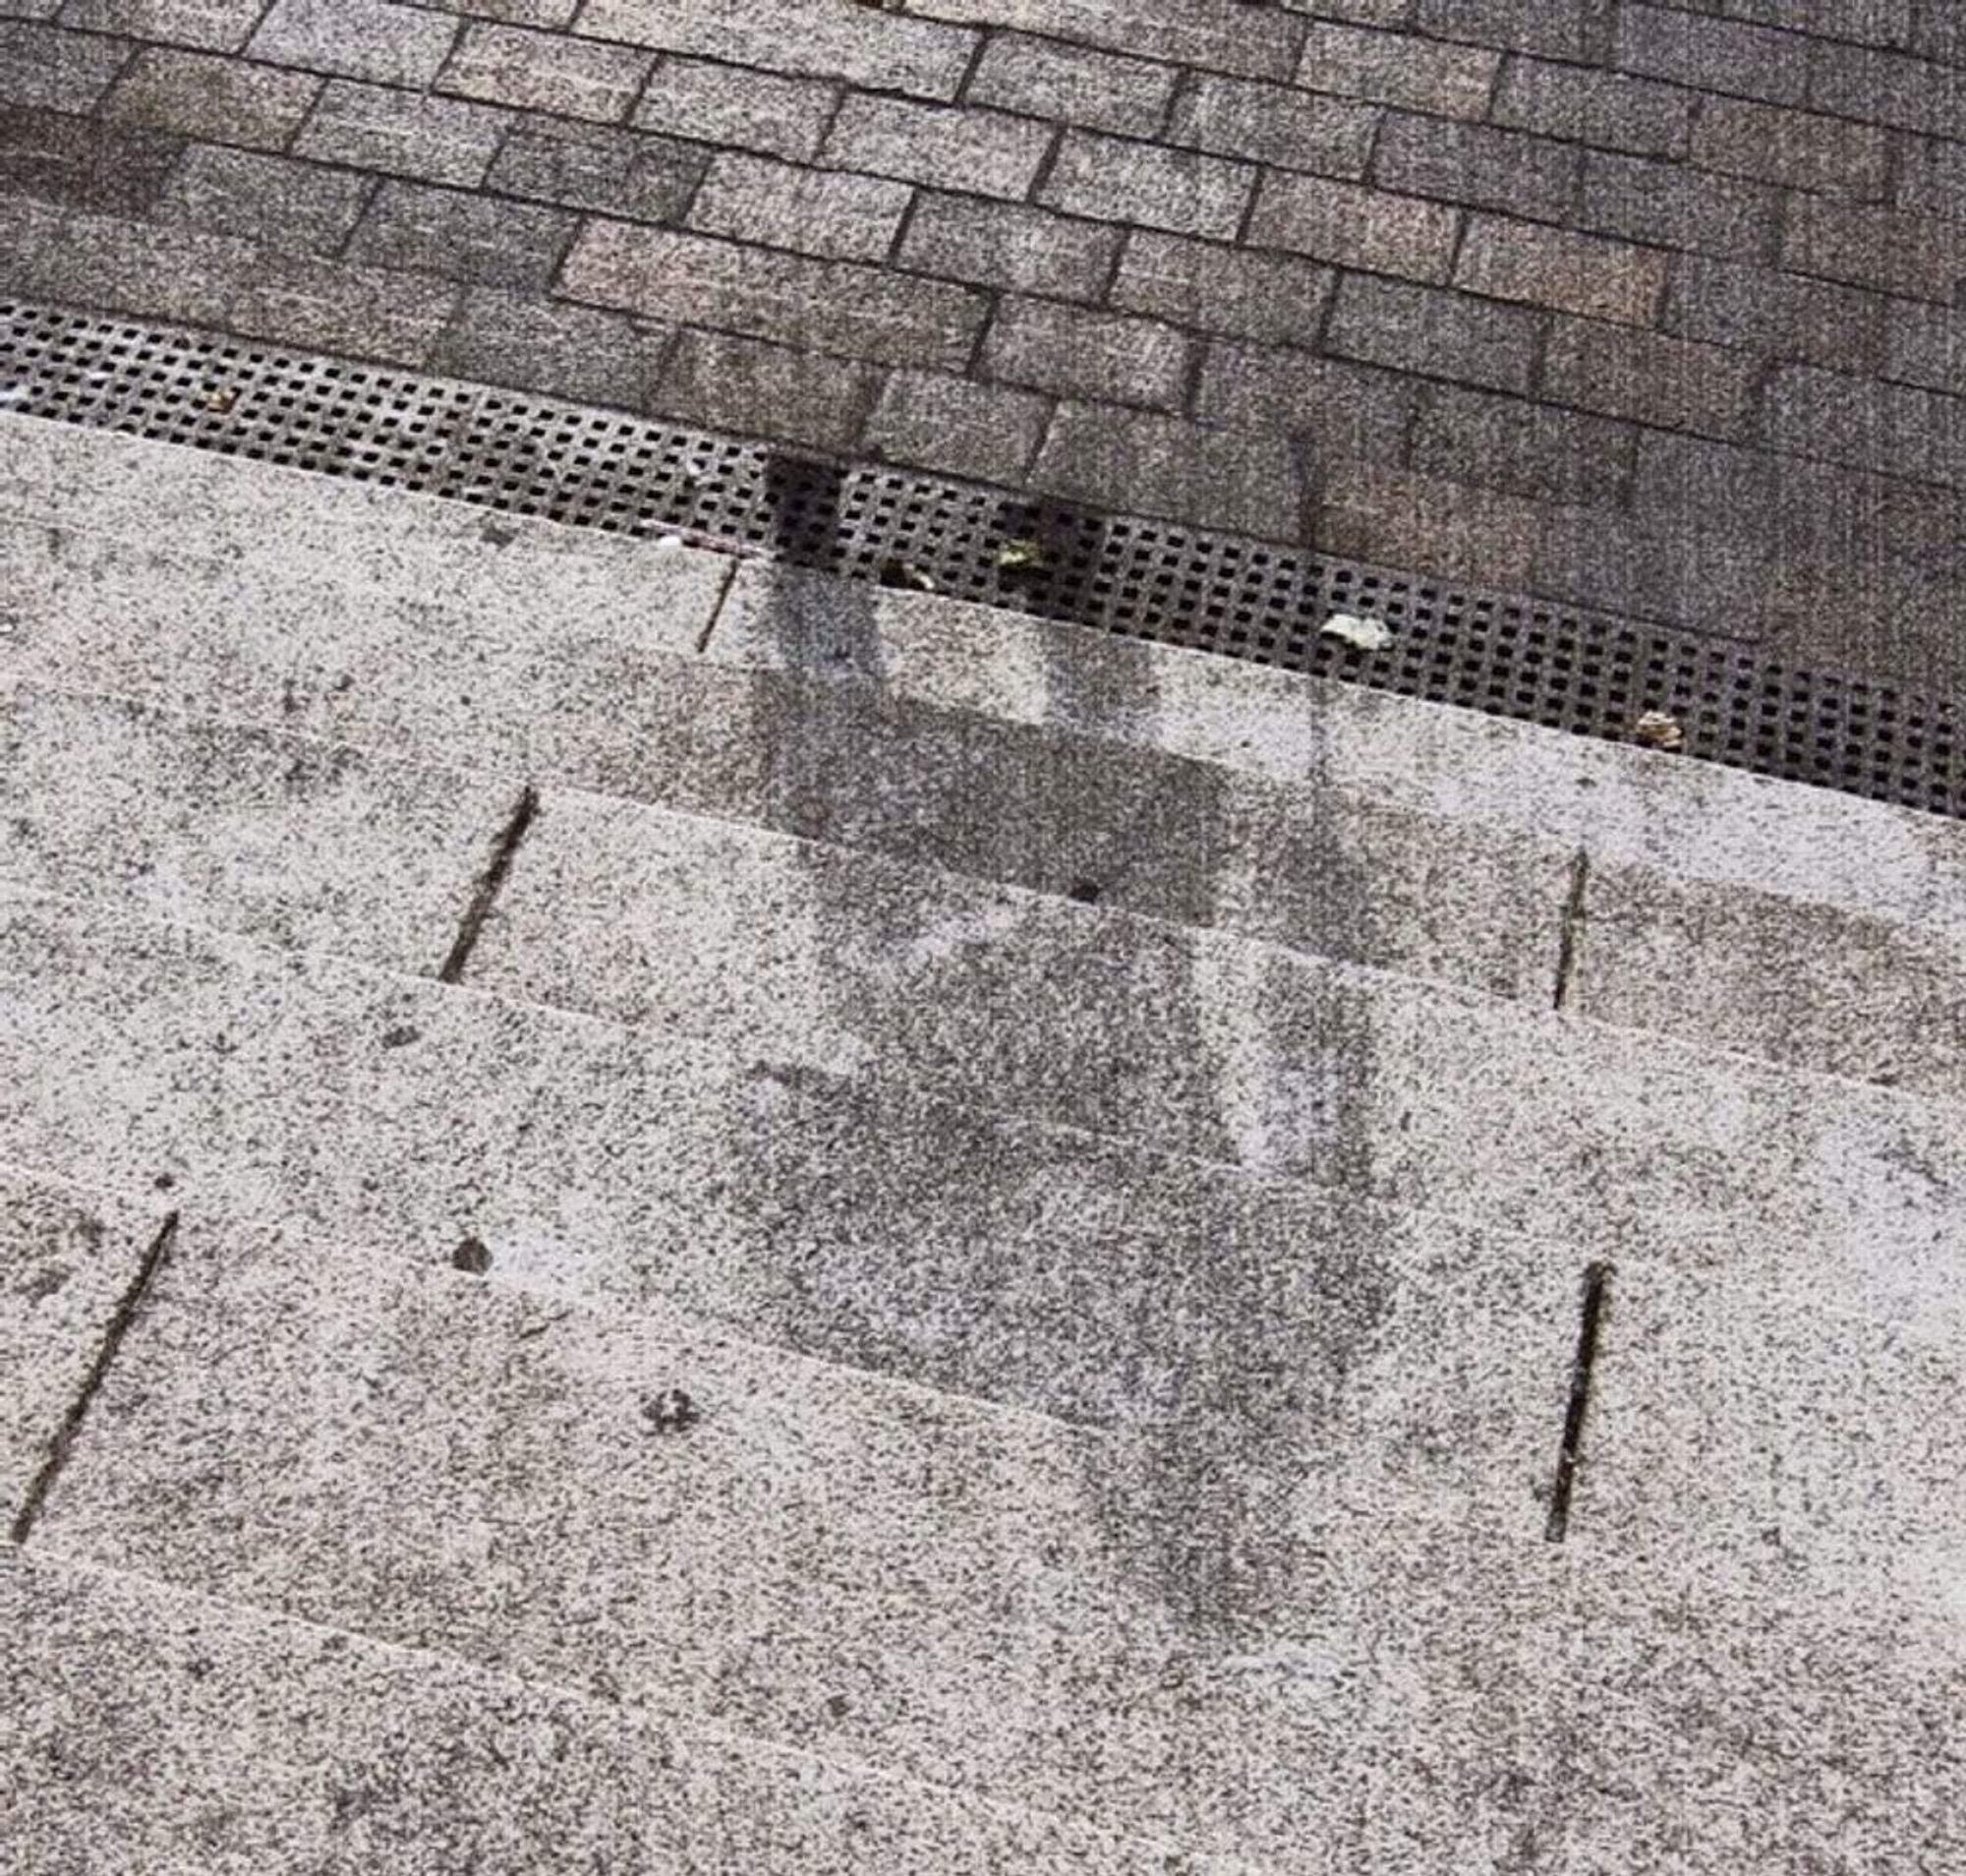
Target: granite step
[(196, 1735), (957, 1592)]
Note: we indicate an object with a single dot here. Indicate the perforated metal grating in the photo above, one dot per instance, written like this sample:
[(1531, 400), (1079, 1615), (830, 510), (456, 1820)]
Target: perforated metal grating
[(1508, 656)]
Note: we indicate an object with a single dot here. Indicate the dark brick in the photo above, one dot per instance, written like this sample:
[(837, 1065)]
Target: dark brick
[(1802, 149), (1868, 21), (462, 236), (84, 164), (1568, 272), (1001, 244), (1931, 177), (1535, 450), (1603, 109), (1342, 409), (1212, 36), (546, 72), (532, 13), (1533, 176), (146, 268), (1780, 315), (754, 110), (219, 100), (1926, 345), (45, 69), (829, 305), (1274, 123), (1355, 227), (827, 211), (264, 198), (543, 345), (1713, 55), (1672, 383), (766, 390), (331, 306), (1112, 180), (1426, 330), (1893, 428), (1218, 289), (1396, 68), (954, 425), (409, 134), (1142, 464), (985, 153), (1674, 207), (1919, 256), (215, 25), (373, 39), (614, 172), (1371, 512), (1887, 87), (1688, 571), (1045, 346), (1579, 30), (1072, 85)]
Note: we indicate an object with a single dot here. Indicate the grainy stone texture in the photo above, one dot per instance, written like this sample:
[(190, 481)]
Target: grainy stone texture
[(1782, 184)]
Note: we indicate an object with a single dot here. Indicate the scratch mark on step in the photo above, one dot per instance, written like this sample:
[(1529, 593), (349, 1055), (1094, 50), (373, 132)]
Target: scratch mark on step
[(1573, 926), (58, 1448), (480, 908), (1595, 1277)]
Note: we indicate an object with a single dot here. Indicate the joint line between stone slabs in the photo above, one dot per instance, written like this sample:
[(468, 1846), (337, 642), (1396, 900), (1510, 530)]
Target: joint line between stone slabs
[(1571, 927), (481, 901), (1595, 1278), (126, 1305)]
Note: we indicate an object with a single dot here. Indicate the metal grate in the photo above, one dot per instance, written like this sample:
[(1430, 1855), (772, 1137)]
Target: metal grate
[(1509, 656)]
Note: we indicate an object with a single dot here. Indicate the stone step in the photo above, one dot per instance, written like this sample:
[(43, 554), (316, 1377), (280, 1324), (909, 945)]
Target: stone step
[(1233, 1319), (195, 1735), (951, 1589)]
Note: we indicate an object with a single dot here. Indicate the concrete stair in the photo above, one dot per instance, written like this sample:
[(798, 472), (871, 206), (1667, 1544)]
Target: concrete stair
[(982, 1225)]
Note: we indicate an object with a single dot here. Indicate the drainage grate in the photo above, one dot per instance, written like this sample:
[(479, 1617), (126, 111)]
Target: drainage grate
[(1511, 657)]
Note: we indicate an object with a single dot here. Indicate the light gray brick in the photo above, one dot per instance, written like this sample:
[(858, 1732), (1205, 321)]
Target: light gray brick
[(1046, 346), (545, 346), (1072, 85), (1139, 463), (462, 236), (826, 211), (263, 198), (1274, 123), (546, 72), (1341, 409), (1439, 333), (373, 39), (1713, 55), (614, 172), (1396, 68), (219, 100), (950, 146), (1211, 288), (1579, 30), (1355, 227), (1919, 256), (879, 50), (1001, 244), (1568, 272), (1211, 35), (1802, 149), (1537, 450), (1603, 108), (1148, 186), (1926, 345), (530, 13), (766, 390), (1478, 163), (1780, 315), (331, 306), (1865, 22), (754, 110), (45, 68), (1672, 384), (833, 305), (935, 420), (410, 134), (215, 25), (1671, 205)]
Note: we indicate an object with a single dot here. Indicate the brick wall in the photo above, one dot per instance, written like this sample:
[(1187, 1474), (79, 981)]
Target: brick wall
[(1653, 306)]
